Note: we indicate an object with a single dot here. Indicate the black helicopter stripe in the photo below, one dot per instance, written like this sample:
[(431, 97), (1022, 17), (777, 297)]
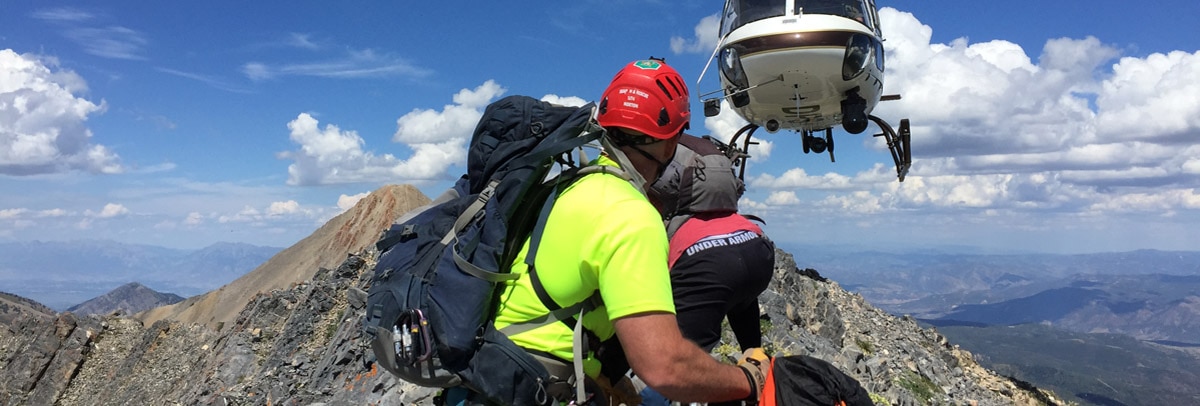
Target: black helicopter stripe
[(792, 40)]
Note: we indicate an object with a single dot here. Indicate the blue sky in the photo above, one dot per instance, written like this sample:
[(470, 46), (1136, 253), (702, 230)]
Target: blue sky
[(1055, 127)]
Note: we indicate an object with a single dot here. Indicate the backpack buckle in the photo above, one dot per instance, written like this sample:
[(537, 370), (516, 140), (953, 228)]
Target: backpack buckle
[(411, 337)]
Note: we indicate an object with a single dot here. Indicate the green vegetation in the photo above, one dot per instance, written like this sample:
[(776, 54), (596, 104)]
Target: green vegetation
[(879, 399), (769, 346), (865, 345), (330, 330), (727, 349), (920, 386)]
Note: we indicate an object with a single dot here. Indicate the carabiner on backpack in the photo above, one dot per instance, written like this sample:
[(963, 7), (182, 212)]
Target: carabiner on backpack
[(411, 337)]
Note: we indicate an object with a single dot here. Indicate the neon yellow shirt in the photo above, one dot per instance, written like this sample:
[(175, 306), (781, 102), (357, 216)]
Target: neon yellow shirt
[(601, 234)]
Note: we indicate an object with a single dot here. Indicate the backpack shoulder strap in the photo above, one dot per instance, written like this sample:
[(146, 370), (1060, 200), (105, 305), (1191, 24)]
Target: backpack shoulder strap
[(571, 316), (558, 313)]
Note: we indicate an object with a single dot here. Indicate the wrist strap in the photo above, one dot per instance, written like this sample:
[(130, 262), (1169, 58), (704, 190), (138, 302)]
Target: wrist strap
[(753, 385)]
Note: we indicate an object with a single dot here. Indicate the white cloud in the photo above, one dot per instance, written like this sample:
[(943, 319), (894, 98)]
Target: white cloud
[(783, 198), (111, 210), (208, 80), (797, 178), (346, 202), (257, 71), (302, 41), (330, 156), (1192, 166), (1165, 202), (356, 64), (986, 98), (193, 219), (1152, 99), (10, 214), (860, 202), (42, 121), (248, 214), (455, 121), (727, 123), (109, 41), (437, 139), (571, 101), (282, 208), (704, 38), (63, 14)]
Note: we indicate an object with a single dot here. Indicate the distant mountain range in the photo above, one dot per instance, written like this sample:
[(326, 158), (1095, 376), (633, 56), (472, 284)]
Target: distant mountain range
[(1105, 329), (128, 299), (1146, 294), (63, 274), (1098, 369)]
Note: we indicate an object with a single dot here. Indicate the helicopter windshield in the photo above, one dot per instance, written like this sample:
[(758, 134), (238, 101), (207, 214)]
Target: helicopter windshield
[(741, 12), (856, 10)]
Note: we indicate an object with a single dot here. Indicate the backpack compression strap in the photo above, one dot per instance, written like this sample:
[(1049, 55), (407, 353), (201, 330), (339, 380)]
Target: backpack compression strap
[(464, 219)]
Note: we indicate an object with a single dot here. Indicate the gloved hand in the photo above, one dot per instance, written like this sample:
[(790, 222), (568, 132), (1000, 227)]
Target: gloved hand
[(755, 363)]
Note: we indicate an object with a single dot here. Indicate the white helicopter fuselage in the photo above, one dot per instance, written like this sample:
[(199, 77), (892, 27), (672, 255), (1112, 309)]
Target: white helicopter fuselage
[(793, 66)]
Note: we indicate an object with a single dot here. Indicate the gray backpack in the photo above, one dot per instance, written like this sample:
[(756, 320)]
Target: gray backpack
[(699, 180)]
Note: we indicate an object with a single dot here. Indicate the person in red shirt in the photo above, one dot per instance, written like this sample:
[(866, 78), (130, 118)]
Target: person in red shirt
[(720, 261)]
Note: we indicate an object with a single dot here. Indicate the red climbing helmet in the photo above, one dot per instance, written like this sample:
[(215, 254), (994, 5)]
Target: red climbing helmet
[(647, 96)]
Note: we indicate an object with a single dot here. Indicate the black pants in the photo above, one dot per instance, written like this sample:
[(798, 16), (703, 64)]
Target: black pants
[(722, 280)]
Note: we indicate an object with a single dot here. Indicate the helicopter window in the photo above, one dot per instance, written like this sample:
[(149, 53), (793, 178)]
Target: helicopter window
[(873, 18), (742, 12), (853, 9)]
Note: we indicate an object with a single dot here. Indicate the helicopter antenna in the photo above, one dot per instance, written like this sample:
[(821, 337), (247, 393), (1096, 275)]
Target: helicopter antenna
[(710, 59)]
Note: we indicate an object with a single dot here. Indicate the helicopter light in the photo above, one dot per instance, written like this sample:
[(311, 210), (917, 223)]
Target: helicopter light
[(772, 125), (731, 68), (858, 54)]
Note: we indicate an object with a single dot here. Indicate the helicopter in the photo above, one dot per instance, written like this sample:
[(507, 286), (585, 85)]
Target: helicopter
[(805, 66)]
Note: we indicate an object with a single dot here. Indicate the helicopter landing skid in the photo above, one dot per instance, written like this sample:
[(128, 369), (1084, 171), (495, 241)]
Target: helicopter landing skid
[(898, 143)]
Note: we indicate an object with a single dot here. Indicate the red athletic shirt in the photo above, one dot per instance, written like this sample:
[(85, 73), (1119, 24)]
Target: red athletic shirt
[(714, 229)]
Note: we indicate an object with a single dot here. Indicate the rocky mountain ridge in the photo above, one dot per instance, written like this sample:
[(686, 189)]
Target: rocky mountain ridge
[(129, 298), (301, 343)]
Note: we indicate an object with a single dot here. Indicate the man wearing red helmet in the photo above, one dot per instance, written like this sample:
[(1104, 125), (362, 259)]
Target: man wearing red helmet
[(603, 235)]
